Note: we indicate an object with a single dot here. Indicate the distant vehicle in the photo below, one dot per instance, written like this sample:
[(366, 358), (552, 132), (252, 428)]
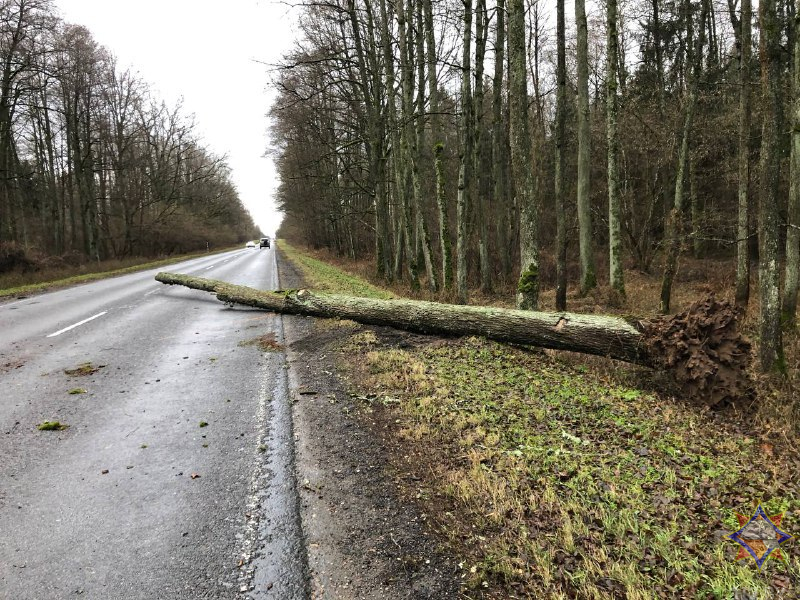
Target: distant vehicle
[(264, 243), (250, 245)]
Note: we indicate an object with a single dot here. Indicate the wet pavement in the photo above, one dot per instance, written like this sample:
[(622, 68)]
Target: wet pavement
[(175, 476)]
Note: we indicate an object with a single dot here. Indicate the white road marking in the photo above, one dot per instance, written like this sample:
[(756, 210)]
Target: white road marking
[(211, 267), (78, 324)]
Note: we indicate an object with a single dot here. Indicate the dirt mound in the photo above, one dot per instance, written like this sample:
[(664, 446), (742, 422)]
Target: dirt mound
[(705, 351)]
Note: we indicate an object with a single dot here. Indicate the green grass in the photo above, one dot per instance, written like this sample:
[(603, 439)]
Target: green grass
[(323, 277), (17, 284), (563, 484)]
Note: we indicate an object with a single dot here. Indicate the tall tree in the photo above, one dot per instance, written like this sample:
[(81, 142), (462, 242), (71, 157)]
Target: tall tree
[(465, 155), (561, 105), (675, 221), (743, 213), (616, 277), (482, 147), (769, 46), (521, 159), (500, 142), (586, 247), (793, 225)]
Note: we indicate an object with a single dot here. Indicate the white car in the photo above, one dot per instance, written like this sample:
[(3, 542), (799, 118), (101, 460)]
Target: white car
[(250, 245)]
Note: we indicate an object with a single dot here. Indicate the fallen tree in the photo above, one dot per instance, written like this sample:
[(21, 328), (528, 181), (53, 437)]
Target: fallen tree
[(701, 347)]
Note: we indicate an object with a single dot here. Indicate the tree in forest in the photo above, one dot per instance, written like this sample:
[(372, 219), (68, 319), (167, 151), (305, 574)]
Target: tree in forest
[(674, 225), (521, 159), (465, 156), (588, 279), (744, 42), (792, 277), (616, 277), (560, 159), (770, 342)]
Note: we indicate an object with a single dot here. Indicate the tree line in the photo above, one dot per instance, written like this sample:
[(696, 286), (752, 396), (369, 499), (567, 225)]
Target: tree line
[(92, 164), (463, 142)]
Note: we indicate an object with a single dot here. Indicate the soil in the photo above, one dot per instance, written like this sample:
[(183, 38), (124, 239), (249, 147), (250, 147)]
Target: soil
[(366, 538)]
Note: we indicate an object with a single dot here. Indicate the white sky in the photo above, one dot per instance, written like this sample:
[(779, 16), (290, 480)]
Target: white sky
[(205, 51)]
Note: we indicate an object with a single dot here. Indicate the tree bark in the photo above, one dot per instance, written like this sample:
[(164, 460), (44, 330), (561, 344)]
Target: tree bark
[(522, 158), (793, 213), (616, 277), (465, 170), (561, 105), (770, 343), (688, 345), (586, 250), (743, 224)]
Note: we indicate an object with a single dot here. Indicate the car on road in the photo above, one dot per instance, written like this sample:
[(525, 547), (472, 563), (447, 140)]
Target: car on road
[(264, 243), (250, 245)]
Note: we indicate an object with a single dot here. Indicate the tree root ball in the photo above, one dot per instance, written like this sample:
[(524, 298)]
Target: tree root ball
[(705, 352)]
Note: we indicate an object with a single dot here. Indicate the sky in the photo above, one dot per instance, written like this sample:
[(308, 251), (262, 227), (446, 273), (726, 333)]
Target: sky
[(212, 55)]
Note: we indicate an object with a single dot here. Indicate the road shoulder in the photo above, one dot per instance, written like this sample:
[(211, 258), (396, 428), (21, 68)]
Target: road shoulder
[(363, 540)]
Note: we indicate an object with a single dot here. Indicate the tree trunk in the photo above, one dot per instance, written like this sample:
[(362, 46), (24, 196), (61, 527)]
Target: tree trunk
[(561, 105), (444, 229), (793, 225), (521, 159), (771, 345), (743, 224), (588, 276), (616, 276), (482, 157), (499, 142), (674, 228), (688, 345), (465, 171)]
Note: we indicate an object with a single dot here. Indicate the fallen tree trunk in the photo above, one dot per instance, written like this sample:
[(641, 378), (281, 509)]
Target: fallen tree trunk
[(701, 347)]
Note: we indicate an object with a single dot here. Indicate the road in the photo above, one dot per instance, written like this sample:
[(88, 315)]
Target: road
[(135, 499)]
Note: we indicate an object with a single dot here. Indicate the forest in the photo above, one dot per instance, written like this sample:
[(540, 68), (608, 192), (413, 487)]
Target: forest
[(463, 146), (93, 165)]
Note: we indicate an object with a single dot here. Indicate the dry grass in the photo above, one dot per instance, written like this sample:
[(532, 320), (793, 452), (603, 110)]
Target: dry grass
[(15, 283)]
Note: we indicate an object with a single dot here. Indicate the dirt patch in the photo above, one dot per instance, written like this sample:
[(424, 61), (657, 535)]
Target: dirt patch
[(266, 343), (705, 351), (365, 537), (83, 370)]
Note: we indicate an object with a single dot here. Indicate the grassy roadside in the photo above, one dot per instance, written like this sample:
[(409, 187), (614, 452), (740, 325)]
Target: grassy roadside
[(10, 284), (323, 277), (553, 478)]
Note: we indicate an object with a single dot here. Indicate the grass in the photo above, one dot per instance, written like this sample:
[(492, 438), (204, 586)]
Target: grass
[(18, 284), (554, 482), (554, 476), (323, 277)]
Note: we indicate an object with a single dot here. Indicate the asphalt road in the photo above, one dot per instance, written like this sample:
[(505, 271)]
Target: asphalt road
[(135, 499)]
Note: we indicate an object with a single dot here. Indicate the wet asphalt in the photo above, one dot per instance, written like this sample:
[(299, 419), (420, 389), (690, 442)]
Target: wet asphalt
[(135, 500)]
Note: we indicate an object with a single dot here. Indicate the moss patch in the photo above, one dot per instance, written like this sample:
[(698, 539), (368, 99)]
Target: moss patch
[(51, 426)]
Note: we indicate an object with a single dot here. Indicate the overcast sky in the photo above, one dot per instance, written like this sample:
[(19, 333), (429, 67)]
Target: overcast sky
[(207, 52)]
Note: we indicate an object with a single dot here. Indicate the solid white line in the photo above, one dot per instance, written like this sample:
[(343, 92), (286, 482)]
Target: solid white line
[(78, 324)]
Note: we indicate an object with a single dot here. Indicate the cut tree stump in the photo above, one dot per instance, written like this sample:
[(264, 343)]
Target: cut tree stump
[(701, 347)]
